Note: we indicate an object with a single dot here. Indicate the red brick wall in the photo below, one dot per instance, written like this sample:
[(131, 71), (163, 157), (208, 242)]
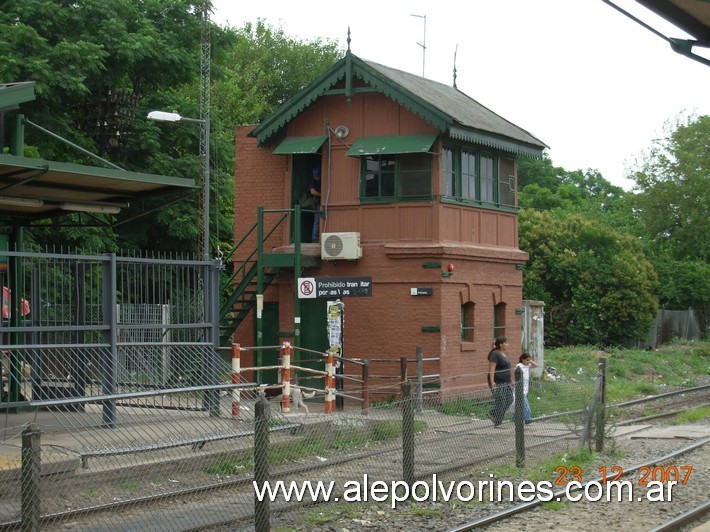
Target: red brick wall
[(397, 240)]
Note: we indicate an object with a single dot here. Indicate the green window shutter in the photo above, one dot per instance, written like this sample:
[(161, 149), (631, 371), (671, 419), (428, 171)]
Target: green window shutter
[(391, 145), (300, 145)]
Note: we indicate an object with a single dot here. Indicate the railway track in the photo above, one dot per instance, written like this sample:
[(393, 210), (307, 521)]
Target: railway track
[(684, 519)]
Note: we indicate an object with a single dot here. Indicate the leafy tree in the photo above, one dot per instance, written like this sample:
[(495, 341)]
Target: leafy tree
[(544, 186), (596, 282), (672, 185), (101, 65), (264, 68), (672, 206)]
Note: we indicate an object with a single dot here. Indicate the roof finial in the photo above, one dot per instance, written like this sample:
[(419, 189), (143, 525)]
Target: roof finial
[(455, 50), (348, 39)]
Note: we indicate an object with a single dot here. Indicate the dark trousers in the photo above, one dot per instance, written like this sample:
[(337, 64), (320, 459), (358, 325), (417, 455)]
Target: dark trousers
[(502, 399)]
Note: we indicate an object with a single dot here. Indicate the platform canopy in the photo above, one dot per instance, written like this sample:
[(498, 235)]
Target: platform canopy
[(37, 188), (32, 189)]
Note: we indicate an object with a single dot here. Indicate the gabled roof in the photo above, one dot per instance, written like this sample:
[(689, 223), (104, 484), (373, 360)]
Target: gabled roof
[(446, 108)]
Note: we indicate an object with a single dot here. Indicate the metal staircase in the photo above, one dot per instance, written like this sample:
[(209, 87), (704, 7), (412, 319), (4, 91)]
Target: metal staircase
[(257, 271)]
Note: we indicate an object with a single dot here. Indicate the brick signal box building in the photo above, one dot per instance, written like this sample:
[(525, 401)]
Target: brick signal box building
[(418, 193)]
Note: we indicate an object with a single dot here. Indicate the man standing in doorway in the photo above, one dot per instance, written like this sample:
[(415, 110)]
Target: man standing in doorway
[(314, 190)]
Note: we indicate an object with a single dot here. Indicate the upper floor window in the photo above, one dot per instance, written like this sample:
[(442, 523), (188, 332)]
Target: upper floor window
[(394, 168), (391, 177), (474, 176)]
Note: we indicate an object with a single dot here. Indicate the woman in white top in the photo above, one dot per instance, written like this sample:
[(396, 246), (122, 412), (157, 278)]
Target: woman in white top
[(525, 363)]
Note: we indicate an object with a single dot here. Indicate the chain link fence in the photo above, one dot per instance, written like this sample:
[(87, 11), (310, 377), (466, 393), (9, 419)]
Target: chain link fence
[(173, 460)]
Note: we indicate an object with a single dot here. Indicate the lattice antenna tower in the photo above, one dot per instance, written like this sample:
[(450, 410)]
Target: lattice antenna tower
[(205, 75)]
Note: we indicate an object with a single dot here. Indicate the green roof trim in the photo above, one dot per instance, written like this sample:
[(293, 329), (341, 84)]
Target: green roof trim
[(492, 141), (300, 145), (444, 107), (269, 129), (387, 145)]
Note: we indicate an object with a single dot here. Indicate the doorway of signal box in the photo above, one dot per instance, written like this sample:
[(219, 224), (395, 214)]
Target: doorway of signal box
[(302, 166), (314, 336)]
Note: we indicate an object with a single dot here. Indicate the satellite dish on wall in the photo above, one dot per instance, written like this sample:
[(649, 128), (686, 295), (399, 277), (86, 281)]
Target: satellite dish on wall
[(341, 132)]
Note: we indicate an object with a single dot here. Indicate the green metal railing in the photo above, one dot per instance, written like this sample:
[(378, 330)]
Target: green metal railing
[(252, 273)]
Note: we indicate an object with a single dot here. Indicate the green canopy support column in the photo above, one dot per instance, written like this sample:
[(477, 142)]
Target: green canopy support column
[(259, 285), (296, 275), (18, 138), (14, 384)]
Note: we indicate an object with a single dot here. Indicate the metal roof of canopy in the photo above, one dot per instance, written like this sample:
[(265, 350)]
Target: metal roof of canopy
[(691, 16), (48, 185), (32, 189)]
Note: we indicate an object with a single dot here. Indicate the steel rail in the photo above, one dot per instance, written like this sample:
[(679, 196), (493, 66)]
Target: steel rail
[(500, 516), (684, 519)]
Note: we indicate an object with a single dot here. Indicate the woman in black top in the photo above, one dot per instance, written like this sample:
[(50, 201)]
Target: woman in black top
[(499, 381)]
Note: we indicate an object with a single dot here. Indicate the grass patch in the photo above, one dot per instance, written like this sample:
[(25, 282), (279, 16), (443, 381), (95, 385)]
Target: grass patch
[(416, 510), (547, 468), (321, 516), (231, 466), (694, 415), (555, 506), (128, 485), (464, 407), (317, 444), (633, 372)]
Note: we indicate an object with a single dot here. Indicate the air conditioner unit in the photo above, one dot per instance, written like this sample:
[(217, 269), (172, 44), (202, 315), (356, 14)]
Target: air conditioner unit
[(336, 246)]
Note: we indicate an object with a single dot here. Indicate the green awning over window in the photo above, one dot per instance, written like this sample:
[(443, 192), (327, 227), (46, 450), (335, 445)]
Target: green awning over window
[(386, 145), (300, 145)]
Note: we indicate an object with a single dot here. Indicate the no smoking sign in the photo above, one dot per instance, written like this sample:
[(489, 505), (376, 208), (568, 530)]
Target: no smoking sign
[(307, 288)]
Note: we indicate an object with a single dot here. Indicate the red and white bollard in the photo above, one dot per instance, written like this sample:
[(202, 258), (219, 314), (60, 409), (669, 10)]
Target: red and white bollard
[(286, 352), (236, 362), (329, 384)]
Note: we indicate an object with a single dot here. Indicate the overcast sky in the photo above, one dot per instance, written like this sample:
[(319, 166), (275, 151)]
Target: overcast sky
[(589, 82)]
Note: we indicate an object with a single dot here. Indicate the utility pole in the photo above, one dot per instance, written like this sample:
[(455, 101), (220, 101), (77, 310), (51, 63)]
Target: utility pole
[(204, 201)]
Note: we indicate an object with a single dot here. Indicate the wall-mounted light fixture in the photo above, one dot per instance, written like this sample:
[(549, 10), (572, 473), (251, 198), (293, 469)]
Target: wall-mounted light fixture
[(88, 207), (20, 202), (341, 131)]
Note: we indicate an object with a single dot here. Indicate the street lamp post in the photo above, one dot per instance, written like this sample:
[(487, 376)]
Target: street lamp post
[(162, 116)]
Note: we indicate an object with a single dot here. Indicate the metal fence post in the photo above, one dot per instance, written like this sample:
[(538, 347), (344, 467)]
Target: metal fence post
[(403, 369), (601, 407), (211, 302), (109, 369), (519, 419), (420, 379), (407, 434), (366, 386), (261, 463), (30, 494)]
